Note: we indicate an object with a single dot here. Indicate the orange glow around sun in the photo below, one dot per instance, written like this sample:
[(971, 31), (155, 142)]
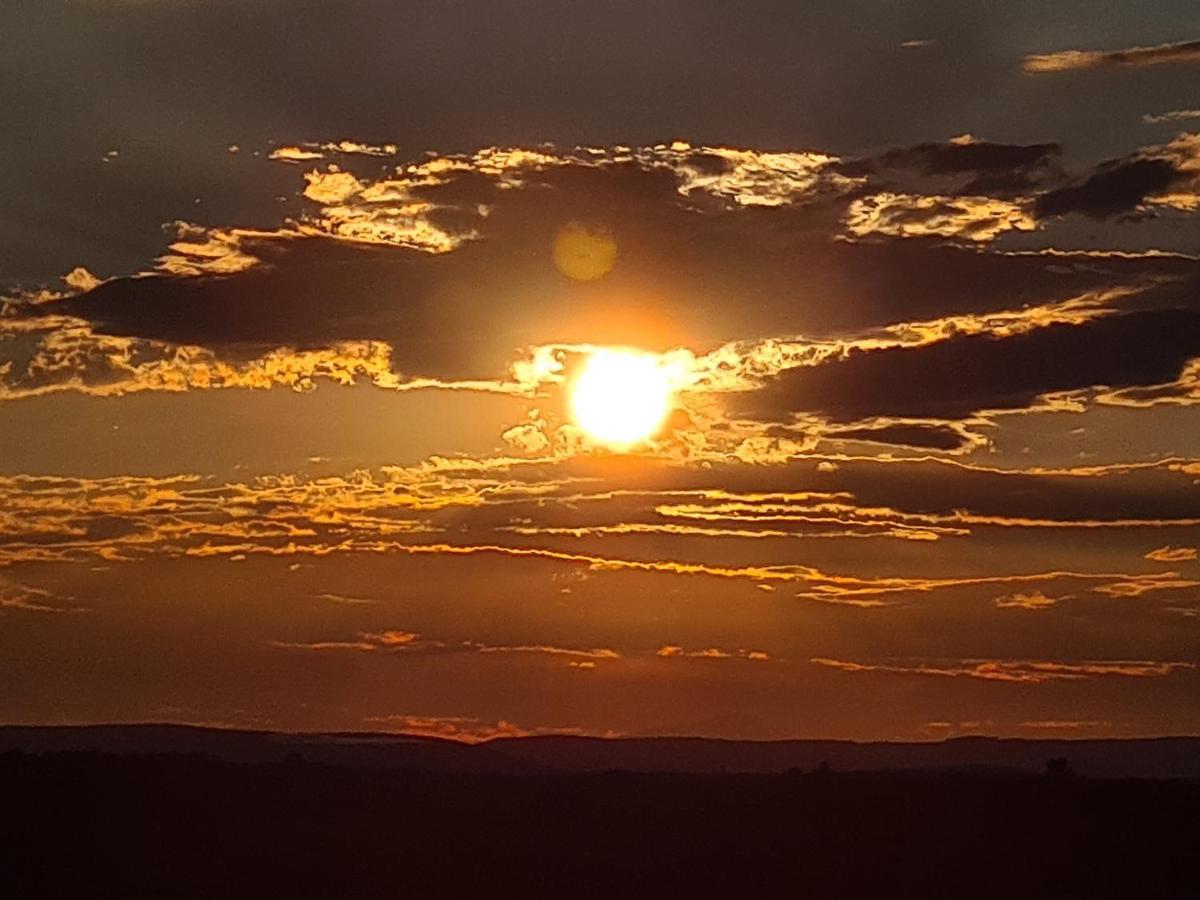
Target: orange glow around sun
[(622, 397)]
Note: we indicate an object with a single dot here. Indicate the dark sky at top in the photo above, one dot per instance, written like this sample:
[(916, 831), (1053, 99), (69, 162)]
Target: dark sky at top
[(171, 83)]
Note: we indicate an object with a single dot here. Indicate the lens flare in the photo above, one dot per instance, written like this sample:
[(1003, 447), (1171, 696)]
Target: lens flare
[(621, 397), (584, 253)]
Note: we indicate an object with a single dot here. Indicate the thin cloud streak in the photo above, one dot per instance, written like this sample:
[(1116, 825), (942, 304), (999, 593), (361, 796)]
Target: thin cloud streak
[(1181, 53)]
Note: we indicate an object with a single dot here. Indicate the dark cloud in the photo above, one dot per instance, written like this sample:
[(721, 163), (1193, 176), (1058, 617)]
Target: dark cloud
[(983, 167), (1115, 188), (695, 269), (956, 377), (1066, 60), (933, 437)]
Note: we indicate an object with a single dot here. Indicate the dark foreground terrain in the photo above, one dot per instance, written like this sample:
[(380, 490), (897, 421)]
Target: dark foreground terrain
[(85, 824)]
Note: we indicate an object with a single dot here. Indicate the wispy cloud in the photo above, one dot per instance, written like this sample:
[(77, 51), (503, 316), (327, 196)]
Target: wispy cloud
[(1183, 52), (468, 729), (410, 642), (1175, 115), (24, 598), (1015, 671), (1032, 600), (1172, 554), (675, 651)]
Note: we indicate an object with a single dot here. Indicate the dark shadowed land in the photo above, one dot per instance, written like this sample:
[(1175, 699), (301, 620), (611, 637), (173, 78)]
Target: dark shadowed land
[(201, 813), (1164, 757)]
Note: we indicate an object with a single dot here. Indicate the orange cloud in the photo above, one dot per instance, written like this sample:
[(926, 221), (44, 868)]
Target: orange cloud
[(467, 729), (394, 640), (1016, 671), (549, 650), (25, 598), (1172, 554), (1137, 585), (674, 651), (910, 215), (82, 280), (1033, 600), (294, 154)]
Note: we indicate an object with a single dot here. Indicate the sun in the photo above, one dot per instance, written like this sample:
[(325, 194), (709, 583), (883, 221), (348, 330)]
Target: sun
[(622, 397)]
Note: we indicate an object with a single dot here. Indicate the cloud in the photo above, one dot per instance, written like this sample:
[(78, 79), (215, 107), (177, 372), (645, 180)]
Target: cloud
[(201, 251), (674, 651), (460, 508), (596, 653), (331, 187), (81, 279), (295, 154), (1016, 671), (1115, 188), (1172, 554), (397, 641), (343, 600), (358, 147), (1175, 115), (962, 375), (1155, 177), (1064, 724), (1183, 52), (23, 598), (391, 640), (908, 434), (1145, 584), (467, 729), (388, 266), (495, 507), (963, 166), (1032, 600), (905, 215)]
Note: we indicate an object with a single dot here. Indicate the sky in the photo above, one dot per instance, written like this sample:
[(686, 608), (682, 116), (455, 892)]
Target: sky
[(495, 368)]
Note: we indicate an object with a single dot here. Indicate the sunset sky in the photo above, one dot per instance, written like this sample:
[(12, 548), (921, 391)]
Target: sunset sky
[(760, 370)]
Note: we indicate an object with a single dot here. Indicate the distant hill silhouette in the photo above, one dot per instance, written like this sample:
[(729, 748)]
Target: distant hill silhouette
[(1170, 757)]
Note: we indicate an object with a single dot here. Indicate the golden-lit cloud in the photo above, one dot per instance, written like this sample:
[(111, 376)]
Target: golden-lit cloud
[(410, 642), (1183, 52), (1172, 554), (295, 154), (1016, 671), (1175, 115), (1032, 600), (331, 187), (748, 177), (1145, 584), (442, 203), (466, 729), (81, 279), (202, 251), (361, 148), (343, 600), (674, 651), (593, 654), (906, 215)]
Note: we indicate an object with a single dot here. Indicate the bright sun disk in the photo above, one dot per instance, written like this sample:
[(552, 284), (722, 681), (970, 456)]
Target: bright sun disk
[(622, 397)]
